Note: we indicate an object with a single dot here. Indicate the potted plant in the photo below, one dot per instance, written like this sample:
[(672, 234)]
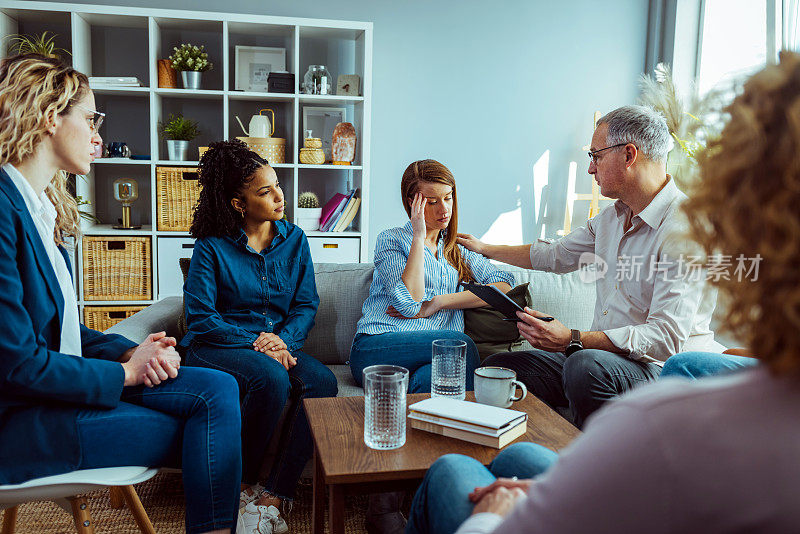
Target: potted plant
[(191, 61), (308, 211), (35, 44), (178, 131)]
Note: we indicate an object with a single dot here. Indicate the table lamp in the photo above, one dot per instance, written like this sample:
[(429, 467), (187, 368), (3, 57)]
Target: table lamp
[(126, 191)]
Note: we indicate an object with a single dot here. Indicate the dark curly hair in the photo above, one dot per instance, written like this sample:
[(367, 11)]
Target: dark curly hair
[(224, 172)]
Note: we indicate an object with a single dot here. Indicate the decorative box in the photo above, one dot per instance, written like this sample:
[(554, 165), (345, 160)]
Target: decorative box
[(280, 82)]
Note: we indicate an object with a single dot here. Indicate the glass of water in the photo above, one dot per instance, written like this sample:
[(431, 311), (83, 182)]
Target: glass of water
[(449, 369), (385, 388)]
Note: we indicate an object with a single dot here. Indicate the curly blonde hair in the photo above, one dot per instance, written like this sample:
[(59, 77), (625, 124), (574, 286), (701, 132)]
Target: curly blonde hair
[(746, 204), (34, 88)]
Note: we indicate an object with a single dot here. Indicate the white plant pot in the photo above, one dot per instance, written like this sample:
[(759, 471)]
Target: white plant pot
[(191, 79), (308, 218), (177, 150)]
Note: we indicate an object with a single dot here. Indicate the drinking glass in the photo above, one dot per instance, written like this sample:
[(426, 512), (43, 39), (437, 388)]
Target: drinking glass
[(385, 388), (449, 369)]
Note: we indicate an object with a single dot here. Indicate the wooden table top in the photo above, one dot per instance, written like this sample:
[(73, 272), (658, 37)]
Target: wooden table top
[(337, 425)]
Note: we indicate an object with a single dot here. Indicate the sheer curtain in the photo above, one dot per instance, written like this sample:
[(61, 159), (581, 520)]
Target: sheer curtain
[(791, 25)]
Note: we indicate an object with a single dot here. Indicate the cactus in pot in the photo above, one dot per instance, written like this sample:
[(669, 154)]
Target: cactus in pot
[(307, 200), (308, 211)]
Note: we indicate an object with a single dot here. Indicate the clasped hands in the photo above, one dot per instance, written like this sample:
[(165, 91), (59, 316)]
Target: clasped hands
[(152, 362), (499, 497), (274, 347)]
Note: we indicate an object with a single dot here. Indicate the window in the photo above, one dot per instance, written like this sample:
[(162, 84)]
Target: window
[(734, 41)]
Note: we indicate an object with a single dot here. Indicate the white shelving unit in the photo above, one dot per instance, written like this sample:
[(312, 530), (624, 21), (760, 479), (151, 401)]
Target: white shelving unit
[(126, 41)]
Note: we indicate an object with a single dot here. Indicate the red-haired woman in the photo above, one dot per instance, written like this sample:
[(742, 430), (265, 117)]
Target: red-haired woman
[(414, 297)]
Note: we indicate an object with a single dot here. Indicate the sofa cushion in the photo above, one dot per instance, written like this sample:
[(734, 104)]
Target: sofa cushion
[(488, 329), (564, 296), (342, 288)]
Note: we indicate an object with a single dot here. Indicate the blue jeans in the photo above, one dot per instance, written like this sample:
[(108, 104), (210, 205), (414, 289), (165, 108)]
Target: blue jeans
[(442, 504), (584, 381), (190, 422), (700, 364), (412, 350), (264, 389)]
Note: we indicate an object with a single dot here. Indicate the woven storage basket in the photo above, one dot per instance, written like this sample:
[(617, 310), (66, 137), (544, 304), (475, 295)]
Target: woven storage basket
[(272, 149), (117, 268), (312, 156), (177, 190), (104, 317)]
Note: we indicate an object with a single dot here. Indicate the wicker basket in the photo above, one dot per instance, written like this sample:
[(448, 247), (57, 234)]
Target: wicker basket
[(177, 190), (312, 142), (104, 317), (117, 268), (312, 156), (272, 149)]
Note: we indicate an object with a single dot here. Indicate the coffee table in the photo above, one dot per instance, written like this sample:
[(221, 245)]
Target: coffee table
[(344, 464)]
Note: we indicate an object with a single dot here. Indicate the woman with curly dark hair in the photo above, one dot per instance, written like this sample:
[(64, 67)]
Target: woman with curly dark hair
[(250, 300)]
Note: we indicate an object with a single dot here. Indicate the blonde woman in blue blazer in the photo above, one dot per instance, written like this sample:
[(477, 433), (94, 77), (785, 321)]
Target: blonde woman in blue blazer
[(70, 397)]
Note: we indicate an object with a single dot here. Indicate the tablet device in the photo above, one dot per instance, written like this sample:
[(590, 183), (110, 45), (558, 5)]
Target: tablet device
[(497, 300)]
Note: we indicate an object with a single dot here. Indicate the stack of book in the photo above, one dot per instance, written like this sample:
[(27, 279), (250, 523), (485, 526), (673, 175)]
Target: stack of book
[(339, 212), (113, 81), (468, 421)]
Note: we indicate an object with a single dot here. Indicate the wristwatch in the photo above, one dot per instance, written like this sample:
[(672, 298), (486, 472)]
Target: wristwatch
[(574, 343)]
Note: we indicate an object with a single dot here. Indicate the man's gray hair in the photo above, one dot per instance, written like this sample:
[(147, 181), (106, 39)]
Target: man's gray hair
[(641, 125)]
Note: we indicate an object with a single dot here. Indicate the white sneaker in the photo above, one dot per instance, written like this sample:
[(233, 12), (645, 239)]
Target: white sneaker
[(262, 520), (246, 498)]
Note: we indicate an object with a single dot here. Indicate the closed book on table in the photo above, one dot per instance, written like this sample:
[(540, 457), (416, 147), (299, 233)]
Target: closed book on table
[(497, 442), (478, 417)]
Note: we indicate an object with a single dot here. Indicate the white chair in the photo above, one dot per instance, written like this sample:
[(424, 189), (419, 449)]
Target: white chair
[(64, 490)]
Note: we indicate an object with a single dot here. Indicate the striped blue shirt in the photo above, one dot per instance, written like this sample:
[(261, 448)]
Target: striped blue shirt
[(388, 289)]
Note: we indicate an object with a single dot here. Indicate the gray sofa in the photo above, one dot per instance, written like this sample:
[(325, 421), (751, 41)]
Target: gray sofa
[(343, 288)]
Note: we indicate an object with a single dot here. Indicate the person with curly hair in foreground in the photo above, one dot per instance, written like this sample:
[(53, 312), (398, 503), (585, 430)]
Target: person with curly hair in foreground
[(250, 299), (715, 455)]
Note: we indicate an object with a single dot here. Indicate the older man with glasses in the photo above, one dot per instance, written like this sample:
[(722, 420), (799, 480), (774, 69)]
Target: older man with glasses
[(652, 301)]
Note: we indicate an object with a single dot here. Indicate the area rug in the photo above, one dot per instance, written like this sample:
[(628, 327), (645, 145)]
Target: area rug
[(162, 497)]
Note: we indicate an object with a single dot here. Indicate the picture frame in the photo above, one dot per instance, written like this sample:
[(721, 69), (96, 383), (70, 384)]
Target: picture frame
[(321, 121), (348, 85), (253, 65)]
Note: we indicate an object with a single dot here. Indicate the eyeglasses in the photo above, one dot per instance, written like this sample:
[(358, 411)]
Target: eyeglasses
[(593, 153), (97, 117)]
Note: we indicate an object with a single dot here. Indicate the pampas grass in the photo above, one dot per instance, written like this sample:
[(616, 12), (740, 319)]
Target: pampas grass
[(691, 121)]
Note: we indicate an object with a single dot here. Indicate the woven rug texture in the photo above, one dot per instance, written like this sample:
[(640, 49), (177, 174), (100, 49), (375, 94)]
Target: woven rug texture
[(162, 498)]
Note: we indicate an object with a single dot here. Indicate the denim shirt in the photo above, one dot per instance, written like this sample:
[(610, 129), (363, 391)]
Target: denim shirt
[(233, 293), (391, 253)]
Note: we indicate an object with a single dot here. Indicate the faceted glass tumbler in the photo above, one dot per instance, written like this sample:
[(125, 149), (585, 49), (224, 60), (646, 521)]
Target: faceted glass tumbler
[(385, 388), (449, 369)]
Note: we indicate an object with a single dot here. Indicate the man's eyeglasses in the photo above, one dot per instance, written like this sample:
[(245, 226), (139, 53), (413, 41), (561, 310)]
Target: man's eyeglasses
[(97, 117), (593, 153)]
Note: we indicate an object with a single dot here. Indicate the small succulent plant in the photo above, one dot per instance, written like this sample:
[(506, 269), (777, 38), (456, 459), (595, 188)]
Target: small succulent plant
[(307, 200)]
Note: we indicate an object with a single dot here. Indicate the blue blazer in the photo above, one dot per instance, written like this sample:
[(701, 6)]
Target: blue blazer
[(42, 390)]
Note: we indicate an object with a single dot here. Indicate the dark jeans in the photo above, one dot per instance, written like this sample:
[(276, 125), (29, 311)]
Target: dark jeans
[(412, 350), (190, 422), (441, 503), (264, 389), (584, 381)]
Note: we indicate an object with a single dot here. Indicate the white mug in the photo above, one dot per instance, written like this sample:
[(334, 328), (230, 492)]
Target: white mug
[(496, 386)]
